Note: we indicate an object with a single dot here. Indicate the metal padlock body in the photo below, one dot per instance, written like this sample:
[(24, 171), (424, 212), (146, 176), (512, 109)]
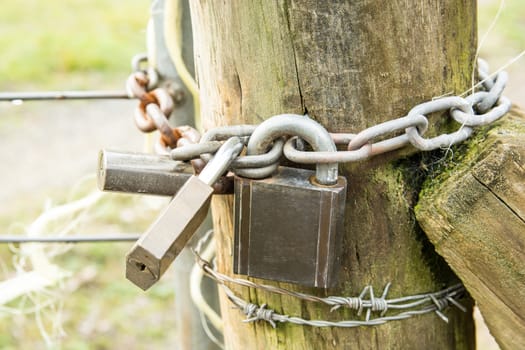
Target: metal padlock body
[(156, 249), (154, 252), (274, 238)]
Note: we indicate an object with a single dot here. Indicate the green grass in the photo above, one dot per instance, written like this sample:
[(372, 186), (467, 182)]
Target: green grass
[(507, 35), (50, 42), (82, 44), (101, 309), (68, 44)]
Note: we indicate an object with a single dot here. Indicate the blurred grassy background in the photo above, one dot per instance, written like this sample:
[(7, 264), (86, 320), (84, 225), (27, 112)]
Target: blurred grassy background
[(504, 42), (85, 44), (509, 28), (53, 43), (75, 44)]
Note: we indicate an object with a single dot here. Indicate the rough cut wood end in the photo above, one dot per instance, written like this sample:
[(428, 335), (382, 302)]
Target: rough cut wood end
[(474, 214)]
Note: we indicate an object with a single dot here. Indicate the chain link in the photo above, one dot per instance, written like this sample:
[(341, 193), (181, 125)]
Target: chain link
[(139, 63), (445, 140), (252, 166), (154, 110), (148, 121), (501, 107), (478, 109)]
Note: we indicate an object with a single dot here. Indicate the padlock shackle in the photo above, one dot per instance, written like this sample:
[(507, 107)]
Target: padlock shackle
[(221, 161), (296, 125)]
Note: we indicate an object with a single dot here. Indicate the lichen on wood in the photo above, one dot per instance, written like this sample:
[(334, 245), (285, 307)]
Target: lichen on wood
[(474, 214), (349, 65)]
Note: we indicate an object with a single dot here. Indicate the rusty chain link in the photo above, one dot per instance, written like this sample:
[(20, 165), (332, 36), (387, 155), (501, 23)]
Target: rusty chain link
[(185, 144), (139, 63), (155, 108), (478, 109)]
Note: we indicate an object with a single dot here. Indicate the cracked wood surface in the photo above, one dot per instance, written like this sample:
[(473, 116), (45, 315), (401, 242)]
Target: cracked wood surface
[(476, 220), (349, 64)]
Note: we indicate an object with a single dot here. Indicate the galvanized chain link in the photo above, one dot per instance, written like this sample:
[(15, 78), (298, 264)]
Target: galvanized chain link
[(478, 109), (398, 308), (414, 125)]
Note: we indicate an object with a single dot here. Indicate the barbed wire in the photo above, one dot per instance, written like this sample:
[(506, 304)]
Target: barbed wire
[(405, 307)]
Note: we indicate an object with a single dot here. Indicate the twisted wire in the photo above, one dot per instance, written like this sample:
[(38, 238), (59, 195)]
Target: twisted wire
[(400, 308)]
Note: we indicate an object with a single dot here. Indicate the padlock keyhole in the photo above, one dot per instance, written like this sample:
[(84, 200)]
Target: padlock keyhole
[(140, 266)]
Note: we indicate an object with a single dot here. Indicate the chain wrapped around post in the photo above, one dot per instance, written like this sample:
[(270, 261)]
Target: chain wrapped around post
[(185, 144), (478, 109)]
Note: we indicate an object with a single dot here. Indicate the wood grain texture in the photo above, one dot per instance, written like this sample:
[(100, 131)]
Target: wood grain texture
[(349, 64), (476, 220)]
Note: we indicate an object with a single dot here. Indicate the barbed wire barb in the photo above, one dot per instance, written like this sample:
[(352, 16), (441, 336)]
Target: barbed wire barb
[(406, 307)]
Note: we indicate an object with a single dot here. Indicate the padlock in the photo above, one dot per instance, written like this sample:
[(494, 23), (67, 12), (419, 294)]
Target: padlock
[(156, 249), (289, 227)]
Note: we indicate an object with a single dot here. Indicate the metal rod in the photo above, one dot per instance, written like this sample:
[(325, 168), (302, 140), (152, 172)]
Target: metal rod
[(70, 239), (141, 173), (64, 95)]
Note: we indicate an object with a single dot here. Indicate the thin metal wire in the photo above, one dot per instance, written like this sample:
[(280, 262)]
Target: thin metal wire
[(65, 95), (70, 238), (399, 308)]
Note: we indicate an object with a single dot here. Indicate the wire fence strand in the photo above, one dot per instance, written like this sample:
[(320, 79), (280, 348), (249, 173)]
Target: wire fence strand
[(388, 309)]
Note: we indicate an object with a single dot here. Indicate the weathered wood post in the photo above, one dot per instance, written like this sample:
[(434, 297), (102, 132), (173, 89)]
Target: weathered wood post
[(189, 333), (474, 214), (350, 65)]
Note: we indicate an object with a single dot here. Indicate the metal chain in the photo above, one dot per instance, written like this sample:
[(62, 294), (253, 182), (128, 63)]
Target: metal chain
[(478, 109), (139, 63), (399, 308), (414, 125), (154, 111)]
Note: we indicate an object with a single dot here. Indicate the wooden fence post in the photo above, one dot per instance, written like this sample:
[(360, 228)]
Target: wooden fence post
[(189, 333), (474, 214), (349, 65)]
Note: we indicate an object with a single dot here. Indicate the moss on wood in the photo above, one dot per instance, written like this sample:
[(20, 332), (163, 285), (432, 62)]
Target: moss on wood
[(349, 64), (473, 212)]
